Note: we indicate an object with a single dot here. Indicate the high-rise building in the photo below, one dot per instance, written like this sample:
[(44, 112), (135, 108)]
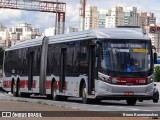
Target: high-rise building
[(4, 36), (114, 17), (72, 29), (147, 19), (102, 20), (91, 18), (13, 35), (2, 27), (122, 16), (131, 17)]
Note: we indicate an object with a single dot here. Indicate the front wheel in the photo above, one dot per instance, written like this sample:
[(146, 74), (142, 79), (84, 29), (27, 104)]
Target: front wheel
[(155, 96), (131, 101)]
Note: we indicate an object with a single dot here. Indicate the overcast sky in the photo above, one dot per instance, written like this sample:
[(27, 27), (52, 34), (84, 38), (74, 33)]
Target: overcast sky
[(44, 20)]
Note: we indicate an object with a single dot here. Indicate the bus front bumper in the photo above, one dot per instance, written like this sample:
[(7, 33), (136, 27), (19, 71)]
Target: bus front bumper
[(123, 92)]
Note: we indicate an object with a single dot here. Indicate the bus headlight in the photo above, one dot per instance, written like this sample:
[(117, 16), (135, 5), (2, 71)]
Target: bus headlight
[(150, 79), (104, 79)]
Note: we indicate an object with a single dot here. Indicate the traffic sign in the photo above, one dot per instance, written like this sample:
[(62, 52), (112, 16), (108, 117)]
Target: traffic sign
[(154, 29)]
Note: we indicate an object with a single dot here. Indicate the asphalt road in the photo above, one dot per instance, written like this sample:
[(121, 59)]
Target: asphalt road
[(75, 103), (106, 110)]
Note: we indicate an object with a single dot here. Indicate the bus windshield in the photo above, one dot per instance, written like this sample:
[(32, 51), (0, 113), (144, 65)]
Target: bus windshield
[(126, 56)]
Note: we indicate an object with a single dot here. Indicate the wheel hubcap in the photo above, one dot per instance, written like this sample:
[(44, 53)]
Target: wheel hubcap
[(14, 89), (84, 94)]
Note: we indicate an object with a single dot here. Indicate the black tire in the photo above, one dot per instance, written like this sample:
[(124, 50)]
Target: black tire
[(25, 95), (140, 100), (131, 101), (85, 100), (49, 97), (54, 96), (155, 100), (63, 98), (97, 100), (155, 96)]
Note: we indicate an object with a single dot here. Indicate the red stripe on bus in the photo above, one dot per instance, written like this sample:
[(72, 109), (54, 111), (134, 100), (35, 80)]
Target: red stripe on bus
[(48, 84), (24, 84), (7, 84)]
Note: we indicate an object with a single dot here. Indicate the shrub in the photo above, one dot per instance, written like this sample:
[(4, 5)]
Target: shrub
[(157, 74)]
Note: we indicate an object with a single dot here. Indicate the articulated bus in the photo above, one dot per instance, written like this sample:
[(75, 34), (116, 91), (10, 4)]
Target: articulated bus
[(95, 65)]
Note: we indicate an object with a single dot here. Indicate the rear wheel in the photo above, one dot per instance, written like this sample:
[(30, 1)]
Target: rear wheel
[(131, 101), (85, 100)]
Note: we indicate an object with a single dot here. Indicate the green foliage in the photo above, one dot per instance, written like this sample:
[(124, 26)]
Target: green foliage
[(1, 56), (157, 74)]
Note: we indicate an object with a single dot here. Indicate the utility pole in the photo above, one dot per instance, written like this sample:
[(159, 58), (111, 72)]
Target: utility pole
[(41, 6), (56, 19)]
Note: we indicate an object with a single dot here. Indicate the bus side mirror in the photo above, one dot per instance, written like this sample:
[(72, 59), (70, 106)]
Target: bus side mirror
[(155, 58)]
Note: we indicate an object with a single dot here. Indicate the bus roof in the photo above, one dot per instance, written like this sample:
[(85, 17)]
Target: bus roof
[(106, 33)]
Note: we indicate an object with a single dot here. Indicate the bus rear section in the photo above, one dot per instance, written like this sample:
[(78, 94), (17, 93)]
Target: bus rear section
[(126, 71)]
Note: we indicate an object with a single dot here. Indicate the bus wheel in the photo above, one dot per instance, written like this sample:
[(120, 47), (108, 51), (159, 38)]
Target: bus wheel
[(25, 95), (131, 101), (54, 96), (14, 91), (85, 100), (97, 100)]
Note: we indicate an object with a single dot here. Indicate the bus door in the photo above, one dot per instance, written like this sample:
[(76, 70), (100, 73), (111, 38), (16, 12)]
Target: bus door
[(92, 69), (30, 69), (62, 68)]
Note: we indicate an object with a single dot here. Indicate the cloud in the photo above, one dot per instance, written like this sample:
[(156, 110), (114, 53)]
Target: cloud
[(8, 14), (45, 20), (72, 15)]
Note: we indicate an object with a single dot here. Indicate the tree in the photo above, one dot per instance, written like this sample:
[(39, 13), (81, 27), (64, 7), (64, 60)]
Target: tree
[(1, 57), (157, 74)]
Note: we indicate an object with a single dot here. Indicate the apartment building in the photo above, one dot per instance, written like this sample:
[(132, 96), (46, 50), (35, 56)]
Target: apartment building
[(102, 20), (114, 17), (131, 17), (91, 18), (13, 35), (147, 18), (122, 16), (71, 29), (4, 36)]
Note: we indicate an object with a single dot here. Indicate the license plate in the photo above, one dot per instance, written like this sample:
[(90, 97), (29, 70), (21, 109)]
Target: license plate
[(128, 93)]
